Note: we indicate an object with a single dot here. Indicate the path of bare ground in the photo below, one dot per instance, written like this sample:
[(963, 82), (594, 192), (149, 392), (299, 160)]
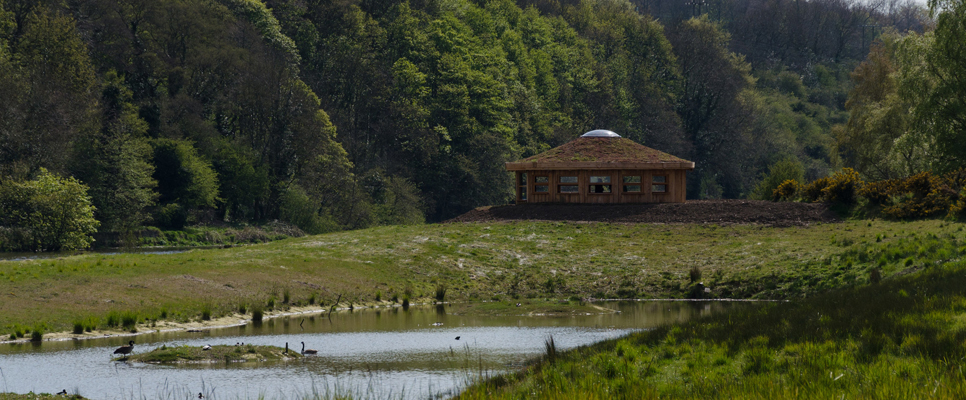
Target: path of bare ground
[(694, 211)]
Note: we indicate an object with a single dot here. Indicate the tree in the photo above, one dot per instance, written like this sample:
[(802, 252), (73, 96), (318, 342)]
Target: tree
[(714, 118), (115, 161), (48, 213)]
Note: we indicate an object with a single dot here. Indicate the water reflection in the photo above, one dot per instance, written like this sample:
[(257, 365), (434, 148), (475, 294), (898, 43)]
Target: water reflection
[(373, 353)]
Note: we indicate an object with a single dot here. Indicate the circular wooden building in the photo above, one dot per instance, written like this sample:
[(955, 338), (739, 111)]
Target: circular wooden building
[(601, 167)]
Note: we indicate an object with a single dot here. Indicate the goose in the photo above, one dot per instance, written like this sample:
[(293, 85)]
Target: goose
[(127, 349), (308, 351)]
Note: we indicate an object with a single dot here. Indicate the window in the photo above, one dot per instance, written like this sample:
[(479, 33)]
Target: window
[(632, 188), (541, 189), (522, 186), (571, 189), (568, 188), (541, 179), (596, 186), (659, 184), (568, 179)]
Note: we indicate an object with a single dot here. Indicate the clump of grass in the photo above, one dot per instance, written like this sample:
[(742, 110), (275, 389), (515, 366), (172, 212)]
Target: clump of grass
[(378, 295), (78, 327), (551, 349), (440, 292), (875, 275), (206, 312), (313, 298), (242, 309), (257, 313), (271, 303), (130, 319), (395, 298), (695, 274), (405, 302), (286, 296), (163, 314), (113, 319), (37, 334)]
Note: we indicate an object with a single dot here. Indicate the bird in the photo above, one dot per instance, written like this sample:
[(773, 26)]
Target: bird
[(201, 396), (62, 392), (126, 349), (457, 338), (207, 347), (308, 351)]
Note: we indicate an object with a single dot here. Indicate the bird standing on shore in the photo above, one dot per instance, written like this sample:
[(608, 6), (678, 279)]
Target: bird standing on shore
[(308, 351), (207, 347), (127, 349)]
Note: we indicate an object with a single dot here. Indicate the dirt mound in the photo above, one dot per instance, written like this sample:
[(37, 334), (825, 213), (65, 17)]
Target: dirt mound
[(694, 211)]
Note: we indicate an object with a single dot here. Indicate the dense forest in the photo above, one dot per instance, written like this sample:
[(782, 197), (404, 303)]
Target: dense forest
[(343, 114)]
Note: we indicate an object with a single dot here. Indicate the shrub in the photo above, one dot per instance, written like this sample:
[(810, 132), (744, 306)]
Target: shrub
[(879, 193), (113, 319), (788, 190), (78, 327), (921, 195), (257, 314), (206, 312), (812, 192), (843, 187), (778, 173), (46, 214)]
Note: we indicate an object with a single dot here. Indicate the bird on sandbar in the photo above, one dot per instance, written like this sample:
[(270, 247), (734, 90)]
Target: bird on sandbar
[(457, 338), (126, 349), (308, 351)]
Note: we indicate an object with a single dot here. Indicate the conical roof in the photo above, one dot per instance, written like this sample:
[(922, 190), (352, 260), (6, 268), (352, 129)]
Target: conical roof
[(601, 151)]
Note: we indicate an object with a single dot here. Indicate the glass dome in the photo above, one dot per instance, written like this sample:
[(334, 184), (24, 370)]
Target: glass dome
[(600, 133)]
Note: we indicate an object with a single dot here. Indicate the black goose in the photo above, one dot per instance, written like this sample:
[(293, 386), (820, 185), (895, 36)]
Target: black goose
[(308, 351), (127, 349)]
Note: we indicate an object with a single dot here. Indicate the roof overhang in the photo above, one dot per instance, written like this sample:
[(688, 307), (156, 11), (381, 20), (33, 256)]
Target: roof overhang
[(595, 165)]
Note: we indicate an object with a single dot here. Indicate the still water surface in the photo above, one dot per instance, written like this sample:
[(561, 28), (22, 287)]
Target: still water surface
[(387, 353)]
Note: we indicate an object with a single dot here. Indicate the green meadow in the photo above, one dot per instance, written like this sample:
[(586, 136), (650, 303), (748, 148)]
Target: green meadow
[(463, 263), (901, 338)]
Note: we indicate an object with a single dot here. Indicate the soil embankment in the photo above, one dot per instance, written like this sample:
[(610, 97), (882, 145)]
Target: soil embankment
[(723, 212)]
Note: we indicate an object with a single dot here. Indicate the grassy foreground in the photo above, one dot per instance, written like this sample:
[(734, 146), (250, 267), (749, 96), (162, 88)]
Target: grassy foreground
[(499, 261), (903, 338)]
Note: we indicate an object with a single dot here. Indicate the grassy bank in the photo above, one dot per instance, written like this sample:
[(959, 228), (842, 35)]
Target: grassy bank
[(901, 338), (507, 262)]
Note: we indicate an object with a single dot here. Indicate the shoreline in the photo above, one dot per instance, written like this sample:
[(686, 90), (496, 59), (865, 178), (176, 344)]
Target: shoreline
[(223, 322)]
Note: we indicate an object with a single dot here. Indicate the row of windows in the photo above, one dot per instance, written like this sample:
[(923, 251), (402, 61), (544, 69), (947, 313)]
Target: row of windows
[(599, 185)]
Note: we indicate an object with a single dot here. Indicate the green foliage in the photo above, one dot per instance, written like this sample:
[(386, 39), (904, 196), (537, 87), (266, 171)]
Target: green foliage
[(299, 209), (788, 190), (843, 187), (183, 177), (45, 214), (781, 171), (114, 161)]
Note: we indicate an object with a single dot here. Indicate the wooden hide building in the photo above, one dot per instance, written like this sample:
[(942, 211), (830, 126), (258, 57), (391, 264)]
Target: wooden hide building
[(601, 167)]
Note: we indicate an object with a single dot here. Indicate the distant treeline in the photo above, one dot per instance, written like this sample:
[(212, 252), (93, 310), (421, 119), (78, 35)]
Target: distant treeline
[(344, 114)]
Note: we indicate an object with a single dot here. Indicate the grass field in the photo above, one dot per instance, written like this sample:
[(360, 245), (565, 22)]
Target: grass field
[(903, 338), (463, 262)]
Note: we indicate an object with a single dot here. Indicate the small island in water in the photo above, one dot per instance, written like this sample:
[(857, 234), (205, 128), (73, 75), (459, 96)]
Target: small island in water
[(213, 354)]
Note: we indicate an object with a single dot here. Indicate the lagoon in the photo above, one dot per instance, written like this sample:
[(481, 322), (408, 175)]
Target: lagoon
[(380, 353)]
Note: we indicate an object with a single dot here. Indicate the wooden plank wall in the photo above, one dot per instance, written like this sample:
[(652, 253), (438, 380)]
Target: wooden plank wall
[(676, 187)]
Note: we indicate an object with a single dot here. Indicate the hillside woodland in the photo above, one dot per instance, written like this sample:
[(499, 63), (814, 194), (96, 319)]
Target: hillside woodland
[(343, 114)]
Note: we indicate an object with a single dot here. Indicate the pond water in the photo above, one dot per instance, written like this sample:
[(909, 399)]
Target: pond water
[(383, 353)]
